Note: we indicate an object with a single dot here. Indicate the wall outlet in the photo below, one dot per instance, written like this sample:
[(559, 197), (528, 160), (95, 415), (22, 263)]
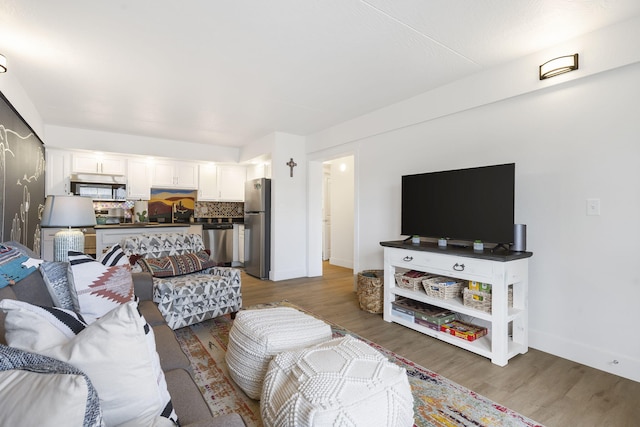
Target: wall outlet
[(593, 207)]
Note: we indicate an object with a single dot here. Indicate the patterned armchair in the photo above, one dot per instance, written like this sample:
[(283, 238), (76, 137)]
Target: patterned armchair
[(184, 296)]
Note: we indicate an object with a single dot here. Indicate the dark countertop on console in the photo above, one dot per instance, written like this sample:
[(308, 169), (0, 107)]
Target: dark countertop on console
[(498, 255)]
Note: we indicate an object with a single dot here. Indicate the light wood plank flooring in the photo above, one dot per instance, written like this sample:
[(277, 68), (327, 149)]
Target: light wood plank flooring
[(546, 388)]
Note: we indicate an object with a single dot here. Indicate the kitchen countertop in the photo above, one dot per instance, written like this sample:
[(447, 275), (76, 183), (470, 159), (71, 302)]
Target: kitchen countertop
[(140, 225)]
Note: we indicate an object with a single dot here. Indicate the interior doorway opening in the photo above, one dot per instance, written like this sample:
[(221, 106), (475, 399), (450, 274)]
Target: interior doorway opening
[(338, 182)]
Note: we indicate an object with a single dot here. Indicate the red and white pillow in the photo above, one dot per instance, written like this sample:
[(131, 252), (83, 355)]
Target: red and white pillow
[(98, 287)]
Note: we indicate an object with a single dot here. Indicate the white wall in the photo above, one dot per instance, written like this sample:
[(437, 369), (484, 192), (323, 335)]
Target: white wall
[(572, 138), (341, 208), (288, 208)]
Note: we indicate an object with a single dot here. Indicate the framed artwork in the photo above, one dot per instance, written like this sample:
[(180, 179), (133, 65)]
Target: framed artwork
[(165, 203)]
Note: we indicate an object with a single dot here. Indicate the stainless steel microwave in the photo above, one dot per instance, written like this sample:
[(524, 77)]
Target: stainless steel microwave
[(110, 189)]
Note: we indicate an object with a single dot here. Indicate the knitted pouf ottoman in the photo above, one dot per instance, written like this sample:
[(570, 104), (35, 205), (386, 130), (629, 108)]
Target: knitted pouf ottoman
[(258, 335), (341, 382)]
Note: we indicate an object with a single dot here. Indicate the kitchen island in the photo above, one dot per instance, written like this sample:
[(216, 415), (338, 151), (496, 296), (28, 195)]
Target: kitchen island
[(111, 234)]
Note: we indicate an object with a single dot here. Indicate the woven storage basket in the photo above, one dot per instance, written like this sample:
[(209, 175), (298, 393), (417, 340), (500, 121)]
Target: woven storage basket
[(442, 287), (413, 283), (482, 300), (371, 290)]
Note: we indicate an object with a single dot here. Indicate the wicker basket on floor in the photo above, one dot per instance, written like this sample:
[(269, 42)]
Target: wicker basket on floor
[(371, 290)]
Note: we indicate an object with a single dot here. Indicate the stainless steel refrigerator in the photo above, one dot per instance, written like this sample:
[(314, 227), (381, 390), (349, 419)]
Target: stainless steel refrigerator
[(257, 227)]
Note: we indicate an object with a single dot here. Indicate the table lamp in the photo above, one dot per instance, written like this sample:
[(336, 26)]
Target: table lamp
[(68, 211)]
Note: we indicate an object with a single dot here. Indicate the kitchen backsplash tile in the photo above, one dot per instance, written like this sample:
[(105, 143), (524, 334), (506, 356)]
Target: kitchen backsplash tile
[(219, 210)]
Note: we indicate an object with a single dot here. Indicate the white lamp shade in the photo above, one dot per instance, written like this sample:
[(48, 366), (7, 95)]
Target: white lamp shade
[(68, 211), (3, 64)]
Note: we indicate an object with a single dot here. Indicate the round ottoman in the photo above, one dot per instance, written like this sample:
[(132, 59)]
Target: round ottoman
[(258, 335), (342, 382)]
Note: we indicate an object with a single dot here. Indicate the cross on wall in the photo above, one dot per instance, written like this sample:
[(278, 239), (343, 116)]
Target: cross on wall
[(291, 165)]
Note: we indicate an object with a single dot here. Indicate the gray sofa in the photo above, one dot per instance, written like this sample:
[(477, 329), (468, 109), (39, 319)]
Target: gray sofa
[(188, 402)]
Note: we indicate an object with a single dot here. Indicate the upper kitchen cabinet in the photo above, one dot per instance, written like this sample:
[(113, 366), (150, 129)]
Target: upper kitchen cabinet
[(57, 172), (221, 183), (207, 183), (138, 179), (98, 163), (231, 180), (169, 174)]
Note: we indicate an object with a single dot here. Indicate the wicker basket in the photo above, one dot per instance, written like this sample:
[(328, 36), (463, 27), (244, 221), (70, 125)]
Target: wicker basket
[(482, 300), (371, 290), (407, 282), (442, 287)]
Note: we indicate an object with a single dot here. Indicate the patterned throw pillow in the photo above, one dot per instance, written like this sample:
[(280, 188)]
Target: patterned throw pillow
[(117, 352), (99, 288), (176, 265), (55, 276)]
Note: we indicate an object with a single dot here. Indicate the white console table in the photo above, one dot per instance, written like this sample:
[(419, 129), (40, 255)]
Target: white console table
[(508, 326)]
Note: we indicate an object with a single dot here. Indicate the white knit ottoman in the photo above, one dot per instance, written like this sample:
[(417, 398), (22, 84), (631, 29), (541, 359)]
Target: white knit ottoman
[(258, 335), (341, 382)]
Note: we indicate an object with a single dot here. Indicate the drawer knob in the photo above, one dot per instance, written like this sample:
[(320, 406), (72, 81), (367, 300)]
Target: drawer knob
[(458, 267), (407, 258)]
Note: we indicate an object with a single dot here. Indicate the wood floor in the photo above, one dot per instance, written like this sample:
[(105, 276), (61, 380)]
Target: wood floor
[(546, 388)]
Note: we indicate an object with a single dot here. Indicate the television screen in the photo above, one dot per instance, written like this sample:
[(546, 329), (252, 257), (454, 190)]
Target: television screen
[(464, 204)]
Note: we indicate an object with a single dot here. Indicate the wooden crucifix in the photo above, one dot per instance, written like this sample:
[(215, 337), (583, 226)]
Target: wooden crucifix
[(291, 165)]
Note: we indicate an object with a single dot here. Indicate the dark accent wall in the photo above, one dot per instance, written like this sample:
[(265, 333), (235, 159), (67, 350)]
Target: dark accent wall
[(21, 178)]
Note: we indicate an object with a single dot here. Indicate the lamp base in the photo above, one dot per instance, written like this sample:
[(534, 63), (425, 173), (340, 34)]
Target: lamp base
[(65, 241)]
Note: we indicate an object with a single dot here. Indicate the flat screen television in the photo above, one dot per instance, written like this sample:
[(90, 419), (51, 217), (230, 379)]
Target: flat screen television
[(463, 204)]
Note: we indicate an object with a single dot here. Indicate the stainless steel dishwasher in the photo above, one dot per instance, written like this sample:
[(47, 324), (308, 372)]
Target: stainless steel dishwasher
[(218, 238)]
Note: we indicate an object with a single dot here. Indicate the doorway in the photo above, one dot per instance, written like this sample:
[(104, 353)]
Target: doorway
[(338, 211)]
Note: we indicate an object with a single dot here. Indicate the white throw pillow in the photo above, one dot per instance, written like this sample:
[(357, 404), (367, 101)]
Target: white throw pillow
[(117, 352), (99, 288), (35, 399)]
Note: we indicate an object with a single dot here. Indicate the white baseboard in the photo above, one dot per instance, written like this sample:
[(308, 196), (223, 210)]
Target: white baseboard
[(598, 358), (346, 263)]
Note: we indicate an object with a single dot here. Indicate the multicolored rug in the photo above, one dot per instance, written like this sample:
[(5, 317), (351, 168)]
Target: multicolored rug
[(438, 402)]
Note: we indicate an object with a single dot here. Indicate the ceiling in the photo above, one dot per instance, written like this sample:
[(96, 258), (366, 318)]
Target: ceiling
[(228, 72)]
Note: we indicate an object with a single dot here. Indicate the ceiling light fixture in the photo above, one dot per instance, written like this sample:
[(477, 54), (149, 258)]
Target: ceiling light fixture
[(560, 65), (3, 63)]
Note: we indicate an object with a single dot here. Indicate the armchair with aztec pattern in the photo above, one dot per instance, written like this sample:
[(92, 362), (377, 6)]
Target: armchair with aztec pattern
[(187, 287)]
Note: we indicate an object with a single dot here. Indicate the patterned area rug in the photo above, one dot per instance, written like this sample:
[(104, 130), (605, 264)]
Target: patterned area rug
[(438, 402)]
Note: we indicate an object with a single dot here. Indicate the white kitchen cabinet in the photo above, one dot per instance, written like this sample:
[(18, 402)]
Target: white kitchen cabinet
[(231, 179), (57, 172), (98, 163), (507, 325), (138, 179), (170, 174), (221, 183), (207, 183), (238, 245)]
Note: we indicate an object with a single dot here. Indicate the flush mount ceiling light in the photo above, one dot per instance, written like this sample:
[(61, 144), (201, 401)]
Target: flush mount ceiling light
[(562, 64), (3, 63)]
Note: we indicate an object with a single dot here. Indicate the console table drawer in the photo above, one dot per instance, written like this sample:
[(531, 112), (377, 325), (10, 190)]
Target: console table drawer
[(441, 264)]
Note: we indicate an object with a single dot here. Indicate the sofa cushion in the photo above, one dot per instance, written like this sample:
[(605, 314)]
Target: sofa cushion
[(169, 350), (176, 265), (36, 390), (98, 288), (118, 354), (187, 396)]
